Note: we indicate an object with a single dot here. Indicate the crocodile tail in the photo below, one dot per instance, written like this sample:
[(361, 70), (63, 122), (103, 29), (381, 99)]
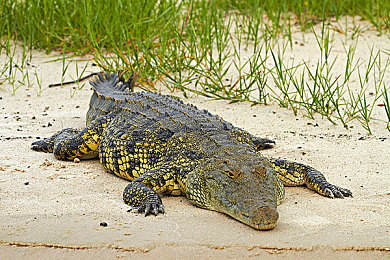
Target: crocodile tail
[(109, 91), (107, 85), (130, 83)]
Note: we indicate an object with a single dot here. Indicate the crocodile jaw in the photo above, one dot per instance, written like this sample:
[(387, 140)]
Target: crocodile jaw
[(246, 191), (258, 216), (266, 218)]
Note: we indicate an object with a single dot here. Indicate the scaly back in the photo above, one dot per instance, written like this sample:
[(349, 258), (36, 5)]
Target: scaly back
[(111, 93)]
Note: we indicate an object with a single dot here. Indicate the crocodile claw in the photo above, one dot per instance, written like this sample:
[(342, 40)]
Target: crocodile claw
[(334, 191), (37, 146), (153, 209), (152, 205), (143, 199), (45, 145)]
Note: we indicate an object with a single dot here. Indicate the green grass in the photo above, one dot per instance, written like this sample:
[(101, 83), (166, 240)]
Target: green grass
[(197, 46)]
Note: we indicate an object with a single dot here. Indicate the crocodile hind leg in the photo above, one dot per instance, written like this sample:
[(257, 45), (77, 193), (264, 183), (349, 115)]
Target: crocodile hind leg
[(47, 145), (295, 174), (70, 143), (142, 193)]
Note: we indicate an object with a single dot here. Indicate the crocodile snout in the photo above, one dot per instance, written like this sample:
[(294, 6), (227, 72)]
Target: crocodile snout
[(264, 218)]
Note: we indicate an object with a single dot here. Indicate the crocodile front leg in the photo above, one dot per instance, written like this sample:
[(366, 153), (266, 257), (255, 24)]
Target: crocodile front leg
[(142, 193), (143, 199), (295, 174)]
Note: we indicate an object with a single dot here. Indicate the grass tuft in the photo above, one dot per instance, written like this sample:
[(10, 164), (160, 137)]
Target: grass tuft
[(199, 46)]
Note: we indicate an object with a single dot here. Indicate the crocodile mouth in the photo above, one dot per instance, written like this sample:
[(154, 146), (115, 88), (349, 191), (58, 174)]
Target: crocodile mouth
[(263, 218), (264, 227)]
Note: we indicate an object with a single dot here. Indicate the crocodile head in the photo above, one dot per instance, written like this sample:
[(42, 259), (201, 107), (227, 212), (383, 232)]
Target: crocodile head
[(240, 184)]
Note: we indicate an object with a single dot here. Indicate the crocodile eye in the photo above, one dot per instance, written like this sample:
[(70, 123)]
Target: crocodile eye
[(229, 173), (234, 174), (261, 171)]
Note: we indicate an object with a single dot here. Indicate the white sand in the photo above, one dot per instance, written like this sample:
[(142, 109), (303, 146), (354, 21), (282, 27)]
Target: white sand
[(58, 213)]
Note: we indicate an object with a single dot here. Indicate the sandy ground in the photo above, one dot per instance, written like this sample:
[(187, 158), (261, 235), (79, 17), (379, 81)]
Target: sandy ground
[(53, 209)]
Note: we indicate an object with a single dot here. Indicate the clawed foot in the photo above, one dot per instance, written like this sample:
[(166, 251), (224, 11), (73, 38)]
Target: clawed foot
[(47, 145), (334, 191), (152, 206), (42, 145), (315, 180), (143, 199)]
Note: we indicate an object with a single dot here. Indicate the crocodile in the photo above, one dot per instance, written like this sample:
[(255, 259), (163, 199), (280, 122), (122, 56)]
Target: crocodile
[(164, 146)]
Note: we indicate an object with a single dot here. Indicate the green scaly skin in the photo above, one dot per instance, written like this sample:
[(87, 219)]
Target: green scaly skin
[(162, 145)]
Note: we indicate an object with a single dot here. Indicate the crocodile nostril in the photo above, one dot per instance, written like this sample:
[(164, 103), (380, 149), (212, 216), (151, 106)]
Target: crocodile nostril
[(265, 215)]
